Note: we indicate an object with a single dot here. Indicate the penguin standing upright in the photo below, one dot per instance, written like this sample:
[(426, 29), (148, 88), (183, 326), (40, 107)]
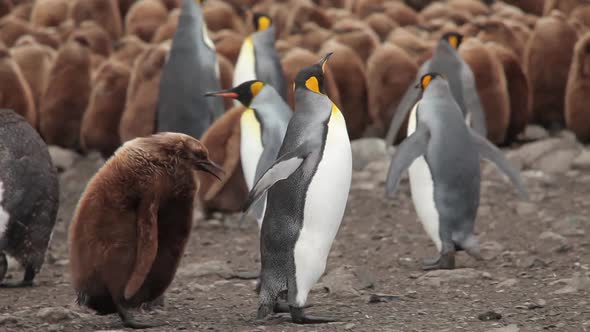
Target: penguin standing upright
[(262, 129), (191, 71), (259, 60), (443, 156), (315, 162), (446, 61)]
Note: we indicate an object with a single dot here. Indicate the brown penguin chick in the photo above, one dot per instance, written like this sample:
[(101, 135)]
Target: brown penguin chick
[(417, 48), (127, 49), (419, 5), (577, 116), (100, 124), (534, 7), (491, 87), (6, 7), (401, 13), (226, 77), (104, 12), (520, 30), (381, 24), (474, 7), (582, 15), (332, 3), (222, 139), (65, 99), (22, 10), (348, 71), (313, 36), (302, 11), (295, 60), (65, 30), (144, 18), (124, 6), (171, 4), (494, 29), (166, 31), (49, 13), (35, 62), (220, 15), (336, 14), (390, 70), (15, 92), (97, 37), (357, 35), (518, 89), (547, 59), (564, 6), (133, 221), (12, 28), (228, 43), (139, 117), (364, 8)]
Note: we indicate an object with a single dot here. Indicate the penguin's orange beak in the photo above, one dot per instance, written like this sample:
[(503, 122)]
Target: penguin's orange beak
[(224, 93), (208, 166)]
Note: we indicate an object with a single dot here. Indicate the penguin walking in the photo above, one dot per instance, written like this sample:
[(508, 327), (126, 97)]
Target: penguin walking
[(443, 156), (446, 61), (191, 70), (29, 197), (258, 58), (262, 129), (315, 162)]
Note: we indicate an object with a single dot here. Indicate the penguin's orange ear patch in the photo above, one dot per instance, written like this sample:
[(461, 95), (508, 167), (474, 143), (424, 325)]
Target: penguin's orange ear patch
[(263, 23), (425, 81), (256, 87), (313, 84), (454, 41)]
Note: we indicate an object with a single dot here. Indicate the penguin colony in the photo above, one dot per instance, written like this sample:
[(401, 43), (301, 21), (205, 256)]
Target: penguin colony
[(143, 82)]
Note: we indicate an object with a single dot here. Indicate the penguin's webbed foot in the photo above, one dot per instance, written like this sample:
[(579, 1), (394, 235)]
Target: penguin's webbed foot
[(299, 317), (264, 310), (443, 262), (130, 322)]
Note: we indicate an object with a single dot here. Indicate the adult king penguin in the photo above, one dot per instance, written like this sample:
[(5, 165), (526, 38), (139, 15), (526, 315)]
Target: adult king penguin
[(314, 162), (190, 71), (262, 129), (446, 61), (443, 156), (258, 59)]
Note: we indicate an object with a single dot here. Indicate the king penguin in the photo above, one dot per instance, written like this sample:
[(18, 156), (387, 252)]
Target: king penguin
[(443, 156), (258, 58), (446, 61), (315, 162), (190, 71), (262, 129)]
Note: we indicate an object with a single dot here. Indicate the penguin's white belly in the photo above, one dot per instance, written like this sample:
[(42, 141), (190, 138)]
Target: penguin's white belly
[(4, 216), (468, 119), (250, 145), (245, 69), (422, 188), (324, 207)]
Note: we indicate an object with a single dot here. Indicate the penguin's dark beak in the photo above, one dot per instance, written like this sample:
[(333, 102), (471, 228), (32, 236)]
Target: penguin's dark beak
[(208, 166), (323, 61), (223, 93)]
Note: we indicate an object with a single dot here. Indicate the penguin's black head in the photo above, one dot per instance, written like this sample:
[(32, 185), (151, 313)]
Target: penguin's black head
[(312, 77), (427, 78), (244, 92), (261, 21), (453, 38)]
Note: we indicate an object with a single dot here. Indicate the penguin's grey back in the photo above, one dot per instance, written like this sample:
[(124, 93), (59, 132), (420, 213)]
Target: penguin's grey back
[(268, 63), (30, 189), (188, 74)]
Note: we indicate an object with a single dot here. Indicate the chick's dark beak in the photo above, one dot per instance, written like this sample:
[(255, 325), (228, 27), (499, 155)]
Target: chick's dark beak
[(208, 166)]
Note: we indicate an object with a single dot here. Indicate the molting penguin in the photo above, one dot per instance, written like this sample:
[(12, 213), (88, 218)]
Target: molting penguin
[(133, 221), (444, 177), (447, 61), (314, 162), (190, 71), (262, 129), (259, 60), (29, 196)]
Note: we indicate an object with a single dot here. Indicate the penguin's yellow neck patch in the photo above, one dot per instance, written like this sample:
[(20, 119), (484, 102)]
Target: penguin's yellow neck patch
[(249, 123), (454, 41), (425, 81), (255, 88), (263, 23), (313, 84), (336, 118)]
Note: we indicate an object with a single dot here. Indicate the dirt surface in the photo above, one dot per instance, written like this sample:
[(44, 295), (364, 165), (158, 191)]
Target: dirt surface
[(535, 276)]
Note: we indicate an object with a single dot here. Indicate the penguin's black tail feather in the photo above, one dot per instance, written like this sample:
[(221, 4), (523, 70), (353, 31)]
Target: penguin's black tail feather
[(103, 305)]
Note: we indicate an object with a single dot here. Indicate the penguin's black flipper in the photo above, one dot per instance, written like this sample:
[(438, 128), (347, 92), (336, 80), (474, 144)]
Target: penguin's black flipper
[(488, 151), (473, 102), (411, 148), (411, 97)]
